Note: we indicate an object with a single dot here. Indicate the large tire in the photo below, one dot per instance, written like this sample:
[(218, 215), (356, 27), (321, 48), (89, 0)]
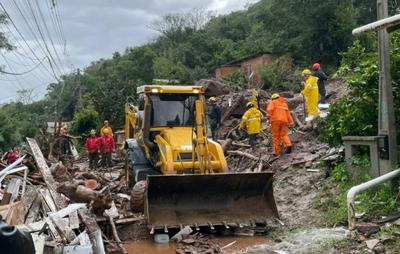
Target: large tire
[(137, 197)]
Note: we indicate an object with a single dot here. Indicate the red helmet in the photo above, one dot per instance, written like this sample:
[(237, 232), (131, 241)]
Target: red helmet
[(316, 66)]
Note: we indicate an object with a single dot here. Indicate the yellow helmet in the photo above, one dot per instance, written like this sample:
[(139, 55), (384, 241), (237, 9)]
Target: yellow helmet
[(249, 104), (275, 96), (306, 72), (212, 99), (106, 131)]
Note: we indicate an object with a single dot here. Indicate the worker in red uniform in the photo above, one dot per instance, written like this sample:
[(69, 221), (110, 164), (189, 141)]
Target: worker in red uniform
[(92, 146), (107, 147), (11, 156), (281, 119)]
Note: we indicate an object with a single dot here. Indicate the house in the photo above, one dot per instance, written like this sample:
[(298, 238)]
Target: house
[(249, 65)]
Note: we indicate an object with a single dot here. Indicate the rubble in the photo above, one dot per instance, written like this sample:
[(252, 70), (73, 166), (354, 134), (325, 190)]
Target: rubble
[(67, 209), (199, 244)]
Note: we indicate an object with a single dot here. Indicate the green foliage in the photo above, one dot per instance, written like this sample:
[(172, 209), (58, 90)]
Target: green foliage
[(281, 75), (357, 113), (8, 138), (84, 121), (236, 80), (375, 202)]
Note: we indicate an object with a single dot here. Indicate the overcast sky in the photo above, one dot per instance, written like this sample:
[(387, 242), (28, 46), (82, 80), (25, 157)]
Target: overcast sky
[(92, 29)]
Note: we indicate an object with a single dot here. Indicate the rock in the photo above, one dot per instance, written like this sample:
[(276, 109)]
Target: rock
[(368, 228), (372, 243), (379, 249)]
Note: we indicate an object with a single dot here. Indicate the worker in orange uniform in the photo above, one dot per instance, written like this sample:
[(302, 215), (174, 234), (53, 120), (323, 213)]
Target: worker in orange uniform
[(251, 121), (106, 125), (107, 147), (280, 119), (310, 92)]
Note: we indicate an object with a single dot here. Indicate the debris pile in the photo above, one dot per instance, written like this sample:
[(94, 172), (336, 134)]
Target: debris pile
[(198, 243), (307, 147), (68, 210)]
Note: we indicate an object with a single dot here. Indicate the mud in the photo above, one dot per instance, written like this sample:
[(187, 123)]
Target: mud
[(241, 243)]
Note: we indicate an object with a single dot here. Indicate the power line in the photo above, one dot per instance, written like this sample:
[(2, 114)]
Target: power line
[(50, 56), (26, 43), (20, 73)]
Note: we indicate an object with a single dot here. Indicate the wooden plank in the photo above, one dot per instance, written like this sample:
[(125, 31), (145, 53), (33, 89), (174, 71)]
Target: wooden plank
[(13, 213), (89, 221), (13, 188), (34, 210), (28, 198), (63, 228), (6, 198), (38, 241), (67, 210), (74, 220), (53, 230), (47, 176), (49, 201)]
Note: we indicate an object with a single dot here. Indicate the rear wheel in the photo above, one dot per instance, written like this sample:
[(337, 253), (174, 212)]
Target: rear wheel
[(137, 196)]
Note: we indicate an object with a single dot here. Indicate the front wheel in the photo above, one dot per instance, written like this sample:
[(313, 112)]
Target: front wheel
[(137, 196)]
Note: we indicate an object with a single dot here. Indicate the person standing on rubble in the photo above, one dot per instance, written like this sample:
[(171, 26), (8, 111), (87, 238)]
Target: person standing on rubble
[(106, 126), (310, 92), (321, 79), (92, 146), (214, 117), (251, 121), (107, 147), (280, 119), (65, 141)]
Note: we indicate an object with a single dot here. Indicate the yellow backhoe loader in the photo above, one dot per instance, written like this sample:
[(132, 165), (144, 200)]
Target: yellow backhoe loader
[(186, 174)]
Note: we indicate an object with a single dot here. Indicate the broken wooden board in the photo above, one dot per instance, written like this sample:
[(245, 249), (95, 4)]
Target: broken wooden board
[(74, 220), (33, 211), (13, 188), (13, 213), (38, 241), (28, 199), (47, 176)]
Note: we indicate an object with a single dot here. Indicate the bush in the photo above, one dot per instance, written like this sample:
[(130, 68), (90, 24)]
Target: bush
[(281, 75), (375, 202), (357, 113), (84, 121), (236, 80)]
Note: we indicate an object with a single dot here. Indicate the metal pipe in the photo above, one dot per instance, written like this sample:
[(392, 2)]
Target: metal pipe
[(364, 186), (377, 25)]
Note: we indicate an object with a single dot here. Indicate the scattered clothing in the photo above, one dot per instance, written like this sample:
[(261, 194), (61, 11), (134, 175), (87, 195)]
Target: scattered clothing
[(281, 119)]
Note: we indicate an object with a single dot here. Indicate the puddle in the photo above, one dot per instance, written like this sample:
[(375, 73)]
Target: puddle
[(307, 241), (242, 243)]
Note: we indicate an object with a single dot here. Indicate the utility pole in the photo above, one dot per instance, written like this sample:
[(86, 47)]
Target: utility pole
[(386, 119)]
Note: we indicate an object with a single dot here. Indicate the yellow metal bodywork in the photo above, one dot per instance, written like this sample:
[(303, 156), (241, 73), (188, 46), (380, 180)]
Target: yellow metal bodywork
[(174, 143)]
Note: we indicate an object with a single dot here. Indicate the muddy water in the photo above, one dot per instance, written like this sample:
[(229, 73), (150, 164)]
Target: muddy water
[(242, 243)]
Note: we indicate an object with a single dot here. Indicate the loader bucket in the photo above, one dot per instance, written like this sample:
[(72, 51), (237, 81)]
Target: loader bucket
[(173, 201)]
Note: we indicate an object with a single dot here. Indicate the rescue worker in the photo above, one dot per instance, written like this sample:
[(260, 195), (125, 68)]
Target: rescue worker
[(280, 119), (92, 146), (106, 125), (65, 141), (214, 117), (11, 156), (310, 92), (107, 147), (251, 121), (321, 79)]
